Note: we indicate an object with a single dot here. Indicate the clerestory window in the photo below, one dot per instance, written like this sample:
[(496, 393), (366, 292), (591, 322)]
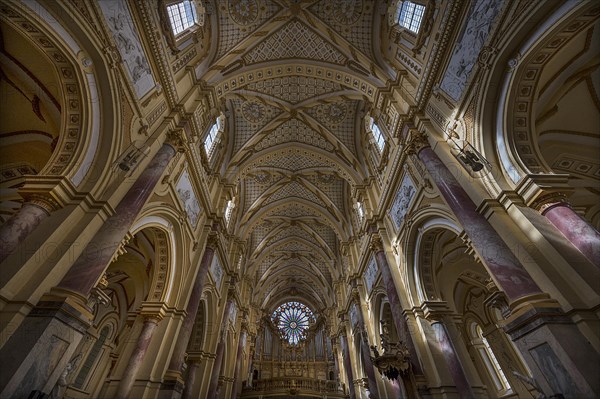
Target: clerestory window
[(411, 15), (360, 211), (182, 16), (377, 135), (211, 138), (229, 211)]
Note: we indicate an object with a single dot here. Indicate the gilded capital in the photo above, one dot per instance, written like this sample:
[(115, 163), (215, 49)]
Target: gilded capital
[(417, 142), (549, 200), (44, 201), (153, 318), (376, 244), (212, 241), (176, 139)]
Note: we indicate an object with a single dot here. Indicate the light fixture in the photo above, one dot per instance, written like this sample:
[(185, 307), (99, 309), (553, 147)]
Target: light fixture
[(131, 158), (468, 156)]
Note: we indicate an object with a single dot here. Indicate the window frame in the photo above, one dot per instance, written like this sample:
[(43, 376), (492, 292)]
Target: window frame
[(490, 362), (175, 40), (378, 137), (214, 133), (418, 10), (170, 14)]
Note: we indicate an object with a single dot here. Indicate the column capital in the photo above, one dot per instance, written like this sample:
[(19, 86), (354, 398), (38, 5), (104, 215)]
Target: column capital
[(176, 139), (153, 311), (376, 244), (44, 201), (549, 200), (435, 312), (417, 142), (212, 241)]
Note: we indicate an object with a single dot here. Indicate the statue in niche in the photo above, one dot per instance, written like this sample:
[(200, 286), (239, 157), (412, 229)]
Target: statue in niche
[(63, 381)]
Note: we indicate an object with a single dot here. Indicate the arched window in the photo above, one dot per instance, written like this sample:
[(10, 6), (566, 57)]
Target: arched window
[(91, 358), (293, 319), (490, 361)]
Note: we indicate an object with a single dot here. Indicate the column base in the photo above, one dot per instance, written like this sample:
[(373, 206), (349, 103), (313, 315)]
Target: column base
[(37, 353), (171, 387), (561, 359)]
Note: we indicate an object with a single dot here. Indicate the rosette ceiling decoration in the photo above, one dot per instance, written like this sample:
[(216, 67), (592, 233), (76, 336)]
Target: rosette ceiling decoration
[(295, 79)]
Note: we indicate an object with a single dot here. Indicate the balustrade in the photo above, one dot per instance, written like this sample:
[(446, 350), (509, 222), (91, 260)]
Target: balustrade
[(297, 384)]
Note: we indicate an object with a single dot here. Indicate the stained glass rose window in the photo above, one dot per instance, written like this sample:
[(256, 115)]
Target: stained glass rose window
[(292, 319)]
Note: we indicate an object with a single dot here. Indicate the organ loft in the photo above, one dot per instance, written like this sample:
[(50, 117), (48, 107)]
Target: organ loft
[(224, 199)]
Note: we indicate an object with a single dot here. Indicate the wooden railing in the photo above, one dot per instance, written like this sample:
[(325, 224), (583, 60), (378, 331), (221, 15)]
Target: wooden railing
[(295, 385)]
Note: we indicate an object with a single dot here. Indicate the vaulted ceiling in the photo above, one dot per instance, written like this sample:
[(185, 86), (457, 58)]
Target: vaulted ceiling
[(295, 79)]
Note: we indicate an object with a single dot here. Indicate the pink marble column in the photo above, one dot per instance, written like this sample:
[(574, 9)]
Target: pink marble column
[(213, 387), (135, 361), (23, 222), (576, 229), (28, 362), (193, 367), (91, 264), (191, 310), (452, 361), (502, 264), (394, 300), (238, 362), (365, 350), (347, 364)]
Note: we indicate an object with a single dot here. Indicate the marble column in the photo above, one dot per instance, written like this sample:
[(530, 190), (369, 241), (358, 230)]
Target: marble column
[(576, 229), (192, 375), (40, 348), (213, 386), (394, 300), (191, 310), (96, 256), (237, 384), (553, 347), (24, 221), (451, 358), (135, 361), (503, 265), (365, 350), (347, 364)]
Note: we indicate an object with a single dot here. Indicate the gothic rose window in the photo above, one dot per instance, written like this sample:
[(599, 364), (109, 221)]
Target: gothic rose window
[(292, 319)]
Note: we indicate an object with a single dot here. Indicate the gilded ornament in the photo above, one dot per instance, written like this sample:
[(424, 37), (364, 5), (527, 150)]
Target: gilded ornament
[(243, 12)]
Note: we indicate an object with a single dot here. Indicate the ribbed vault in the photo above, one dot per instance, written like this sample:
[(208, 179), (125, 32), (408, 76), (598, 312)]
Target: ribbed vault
[(295, 78)]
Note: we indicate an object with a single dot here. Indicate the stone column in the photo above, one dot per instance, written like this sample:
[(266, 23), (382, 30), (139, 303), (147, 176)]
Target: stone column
[(239, 360), (213, 387), (191, 310), (37, 208), (34, 355), (555, 350), (503, 265), (135, 361), (347, 363), (193, 366), (448, 351), (394, 300), (578, 231), (96, 256), (365, 350)]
